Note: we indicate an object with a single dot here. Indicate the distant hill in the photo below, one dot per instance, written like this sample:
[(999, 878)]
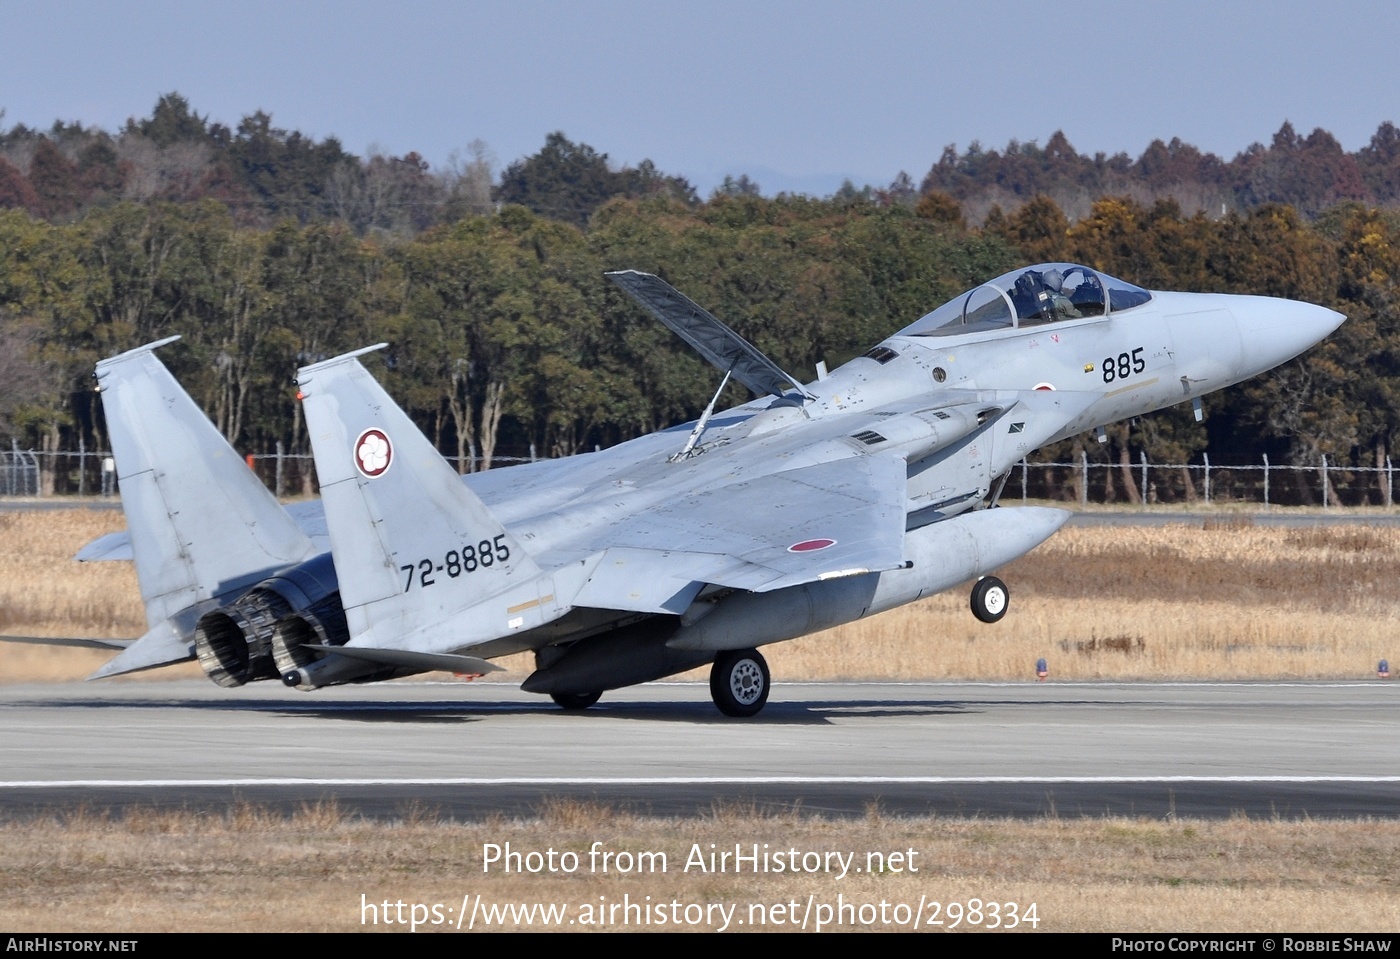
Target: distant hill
[(265, 174)]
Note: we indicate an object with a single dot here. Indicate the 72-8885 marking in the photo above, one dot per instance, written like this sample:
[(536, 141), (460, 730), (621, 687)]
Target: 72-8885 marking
[(469, 559)]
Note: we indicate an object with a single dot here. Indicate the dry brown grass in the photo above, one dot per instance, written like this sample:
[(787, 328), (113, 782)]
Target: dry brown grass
[(1219, 599), (43, 592), (41, 586), (1229, 601), (251, 870)]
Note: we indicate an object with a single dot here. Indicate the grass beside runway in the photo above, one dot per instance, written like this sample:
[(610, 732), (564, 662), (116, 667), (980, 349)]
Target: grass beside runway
[(1219, 598), (252, 870)]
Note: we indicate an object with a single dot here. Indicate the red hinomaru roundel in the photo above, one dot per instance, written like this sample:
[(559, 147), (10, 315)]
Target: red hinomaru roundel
[(811, 545), (373, 453)]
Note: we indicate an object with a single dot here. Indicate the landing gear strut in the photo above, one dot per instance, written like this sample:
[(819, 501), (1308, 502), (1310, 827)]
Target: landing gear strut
[(989, 599), (739, 682)]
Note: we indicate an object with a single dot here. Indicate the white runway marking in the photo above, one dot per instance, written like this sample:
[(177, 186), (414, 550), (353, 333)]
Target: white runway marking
[(684, 781)]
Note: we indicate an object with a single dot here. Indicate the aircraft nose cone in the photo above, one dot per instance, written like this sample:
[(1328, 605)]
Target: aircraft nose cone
[(1274, 331)]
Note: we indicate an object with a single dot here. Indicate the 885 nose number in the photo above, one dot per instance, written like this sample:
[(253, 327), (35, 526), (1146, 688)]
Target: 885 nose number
[(1124, 366), (468, 559)]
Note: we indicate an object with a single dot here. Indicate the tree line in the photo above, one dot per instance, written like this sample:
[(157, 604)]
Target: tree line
[(265, 174), (505, 336), (1310, 173)]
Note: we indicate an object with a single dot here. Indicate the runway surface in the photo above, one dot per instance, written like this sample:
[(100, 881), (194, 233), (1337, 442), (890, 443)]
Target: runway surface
[(468, 750)]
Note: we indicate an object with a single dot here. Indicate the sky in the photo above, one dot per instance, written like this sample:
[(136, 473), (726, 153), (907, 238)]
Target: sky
[(797, 95)]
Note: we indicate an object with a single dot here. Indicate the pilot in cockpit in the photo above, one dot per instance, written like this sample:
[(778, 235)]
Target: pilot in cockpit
[(1039, 297), (1059, 305)]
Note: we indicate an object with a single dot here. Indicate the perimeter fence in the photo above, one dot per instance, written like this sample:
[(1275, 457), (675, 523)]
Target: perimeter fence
[(1262, 484), (93, 473), (19, 473)]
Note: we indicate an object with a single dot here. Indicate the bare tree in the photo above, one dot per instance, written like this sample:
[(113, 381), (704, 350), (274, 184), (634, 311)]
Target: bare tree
[(467, 182), (24, 378), (155, 171)]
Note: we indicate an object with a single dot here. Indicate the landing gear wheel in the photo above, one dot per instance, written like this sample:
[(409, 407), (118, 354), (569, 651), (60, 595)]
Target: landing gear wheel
[(989, 599), (575, 701), (739, 682)]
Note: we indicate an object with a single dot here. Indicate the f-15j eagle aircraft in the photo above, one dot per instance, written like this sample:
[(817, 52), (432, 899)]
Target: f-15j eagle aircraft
[(813, 505)]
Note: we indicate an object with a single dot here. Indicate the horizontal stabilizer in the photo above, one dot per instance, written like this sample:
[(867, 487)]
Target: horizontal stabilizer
[(163, 644), (450, 662), (109, 546), (726, 350), (107, 644)]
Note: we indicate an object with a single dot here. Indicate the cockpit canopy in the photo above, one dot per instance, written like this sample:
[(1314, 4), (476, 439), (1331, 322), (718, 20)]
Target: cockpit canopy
[(1030, 296)]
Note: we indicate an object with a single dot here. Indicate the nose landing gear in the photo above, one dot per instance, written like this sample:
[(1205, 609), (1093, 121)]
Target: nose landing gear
[(989, 599)]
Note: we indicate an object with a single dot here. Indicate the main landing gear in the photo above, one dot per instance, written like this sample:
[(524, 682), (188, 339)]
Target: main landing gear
[(575, 701), (739, 682), (989, 599)]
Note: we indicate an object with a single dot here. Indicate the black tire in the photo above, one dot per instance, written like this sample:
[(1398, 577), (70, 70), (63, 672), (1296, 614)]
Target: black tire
[(739, 682), (575, 701), (990, 597)]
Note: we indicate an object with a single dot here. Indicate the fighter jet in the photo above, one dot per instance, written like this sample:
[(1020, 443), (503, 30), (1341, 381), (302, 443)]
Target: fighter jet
[(813, 505)]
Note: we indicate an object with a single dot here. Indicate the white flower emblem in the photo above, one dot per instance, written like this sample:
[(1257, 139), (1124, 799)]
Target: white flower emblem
[(373, 453)]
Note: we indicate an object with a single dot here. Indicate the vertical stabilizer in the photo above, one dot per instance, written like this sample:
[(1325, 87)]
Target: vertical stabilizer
[(201, 524), (412, 544)]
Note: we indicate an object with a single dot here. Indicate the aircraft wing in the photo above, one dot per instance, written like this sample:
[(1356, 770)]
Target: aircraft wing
[(820, 522), (717, 343)]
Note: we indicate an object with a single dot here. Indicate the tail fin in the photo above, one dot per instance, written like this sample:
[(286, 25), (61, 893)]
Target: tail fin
[(201, 524), (412, 545)]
